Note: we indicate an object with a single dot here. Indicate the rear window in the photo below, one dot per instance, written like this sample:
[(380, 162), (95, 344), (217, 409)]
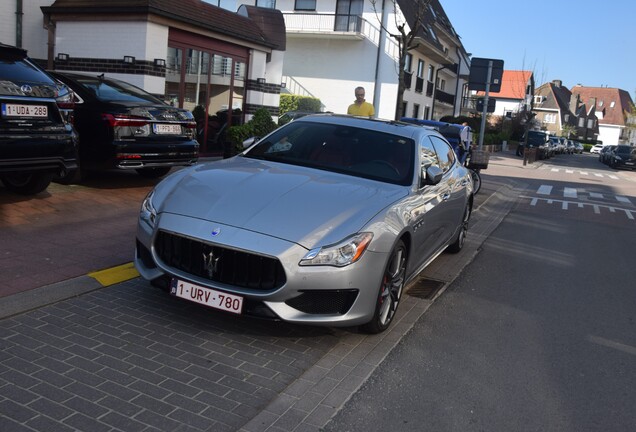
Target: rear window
[(112, 90), (536, 138), (16, 72), (624, 149)]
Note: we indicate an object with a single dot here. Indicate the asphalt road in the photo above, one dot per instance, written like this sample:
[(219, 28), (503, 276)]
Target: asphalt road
[(538, 333)]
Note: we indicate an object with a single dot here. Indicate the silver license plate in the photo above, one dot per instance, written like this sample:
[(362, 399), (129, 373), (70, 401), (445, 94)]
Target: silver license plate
[(30, 111), (167, 129), (206, 296)]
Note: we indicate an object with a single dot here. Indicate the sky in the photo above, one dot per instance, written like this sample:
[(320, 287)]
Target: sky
[(585, 42)]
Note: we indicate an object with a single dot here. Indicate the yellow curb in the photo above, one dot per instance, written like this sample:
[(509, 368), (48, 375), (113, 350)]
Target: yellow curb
[(115, 275)]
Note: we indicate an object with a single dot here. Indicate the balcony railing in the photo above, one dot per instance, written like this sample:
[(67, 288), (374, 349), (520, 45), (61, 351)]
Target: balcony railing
[(442, 96), (333, 24), (429, 88)]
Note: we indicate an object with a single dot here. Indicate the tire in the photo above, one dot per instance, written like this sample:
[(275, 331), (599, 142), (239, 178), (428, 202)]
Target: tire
[(27, 183), (153, 173), (476, 180), (460, 240), (390, 292)]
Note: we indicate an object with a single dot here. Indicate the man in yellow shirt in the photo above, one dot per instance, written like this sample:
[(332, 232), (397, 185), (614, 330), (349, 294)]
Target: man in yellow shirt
[(360, 107)]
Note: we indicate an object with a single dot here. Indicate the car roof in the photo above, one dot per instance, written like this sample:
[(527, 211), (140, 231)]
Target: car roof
[(382, 125)]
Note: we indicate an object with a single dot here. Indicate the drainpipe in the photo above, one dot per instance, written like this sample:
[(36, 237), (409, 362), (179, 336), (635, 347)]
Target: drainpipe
[(18, 23), (381, 44)]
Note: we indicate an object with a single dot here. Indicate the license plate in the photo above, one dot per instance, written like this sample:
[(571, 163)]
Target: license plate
[(14, 110), (168, 129), (207, 296), (629, 163)]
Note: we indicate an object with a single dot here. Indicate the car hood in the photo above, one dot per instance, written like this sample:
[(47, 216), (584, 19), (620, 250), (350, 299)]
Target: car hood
[(306, 206)]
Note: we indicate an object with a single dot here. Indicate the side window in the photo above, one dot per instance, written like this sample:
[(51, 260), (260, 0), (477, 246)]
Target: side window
[(428, 156), (445, 153)]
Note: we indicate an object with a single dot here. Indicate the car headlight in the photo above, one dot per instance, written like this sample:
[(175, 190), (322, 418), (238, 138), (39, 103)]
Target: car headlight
[(148, 213), (341, 254)]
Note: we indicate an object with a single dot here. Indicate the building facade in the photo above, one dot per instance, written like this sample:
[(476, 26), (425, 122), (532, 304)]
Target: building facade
[(189, 52), (614, 109), (334, 46)]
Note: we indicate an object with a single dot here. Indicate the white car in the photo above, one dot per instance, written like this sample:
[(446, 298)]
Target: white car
[(596, 148)]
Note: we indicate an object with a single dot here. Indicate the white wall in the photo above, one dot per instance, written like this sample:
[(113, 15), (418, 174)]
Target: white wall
[(34, 35), (609, 134)]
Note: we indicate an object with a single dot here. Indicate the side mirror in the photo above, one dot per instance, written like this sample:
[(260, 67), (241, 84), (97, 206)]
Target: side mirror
[(249, 142), (431, 175)]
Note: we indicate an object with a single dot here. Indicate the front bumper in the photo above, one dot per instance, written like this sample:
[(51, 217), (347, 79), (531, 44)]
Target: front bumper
[(318, 295)]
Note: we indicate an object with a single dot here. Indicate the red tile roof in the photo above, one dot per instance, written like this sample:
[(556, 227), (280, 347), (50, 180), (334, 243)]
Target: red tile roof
[(604, 96), (513, 85)]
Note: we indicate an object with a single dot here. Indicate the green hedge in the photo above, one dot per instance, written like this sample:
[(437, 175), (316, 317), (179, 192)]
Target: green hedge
[(258, 126), (289, 102)]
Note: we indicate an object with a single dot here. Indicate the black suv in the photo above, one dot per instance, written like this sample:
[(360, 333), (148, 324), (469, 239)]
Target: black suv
[(36, 141), (121, 126)]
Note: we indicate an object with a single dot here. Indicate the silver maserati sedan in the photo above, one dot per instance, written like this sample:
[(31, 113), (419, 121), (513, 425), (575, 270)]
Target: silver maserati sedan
[(323, 222)]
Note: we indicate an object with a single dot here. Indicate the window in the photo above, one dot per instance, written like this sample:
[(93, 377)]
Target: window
[(428, 156), (271, 4), (432, 32), (538, 99), (404, 107), (445, 153), (590, 123), (420, 68), (431, 73), (549, 118), (427, 112), (612, 104), (600, 103), (416, 110), (305, 5), (408, 60), (581, 122)]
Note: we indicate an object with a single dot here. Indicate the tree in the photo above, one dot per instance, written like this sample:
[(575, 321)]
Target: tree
[(406, 39)]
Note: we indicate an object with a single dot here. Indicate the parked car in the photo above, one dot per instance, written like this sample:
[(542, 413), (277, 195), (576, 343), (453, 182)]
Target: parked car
[(578, 147), (605, 153), (324, 221), (622, 156), (559, 144), (539, 140), (569, 147), (596, 148), (121, 126), (36, 140)]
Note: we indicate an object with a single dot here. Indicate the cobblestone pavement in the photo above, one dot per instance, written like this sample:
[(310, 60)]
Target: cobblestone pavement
[(129, 357)]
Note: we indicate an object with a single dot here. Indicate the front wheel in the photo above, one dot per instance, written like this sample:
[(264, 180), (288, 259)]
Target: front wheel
[(390, 291), (476, 180), (27, 183)]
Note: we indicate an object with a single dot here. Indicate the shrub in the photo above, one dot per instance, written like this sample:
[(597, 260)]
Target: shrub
[(289, 102), (259, 125)]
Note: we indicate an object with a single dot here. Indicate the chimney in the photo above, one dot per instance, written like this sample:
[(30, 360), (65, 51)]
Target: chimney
[(557, 83)]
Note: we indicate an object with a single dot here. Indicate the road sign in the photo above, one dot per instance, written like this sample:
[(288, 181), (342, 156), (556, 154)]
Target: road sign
[(479, 74), (491, 104)]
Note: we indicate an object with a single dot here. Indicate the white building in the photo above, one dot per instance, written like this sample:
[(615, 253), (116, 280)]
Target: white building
[(334, 46)]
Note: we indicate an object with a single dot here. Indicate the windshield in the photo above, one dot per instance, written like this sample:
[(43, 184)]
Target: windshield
[(348, 150), (536, 138), (624, 149)]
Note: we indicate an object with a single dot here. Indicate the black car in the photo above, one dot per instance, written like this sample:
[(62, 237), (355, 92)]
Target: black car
[(121, 126), (36, 140), (622, 156), (539, 140)]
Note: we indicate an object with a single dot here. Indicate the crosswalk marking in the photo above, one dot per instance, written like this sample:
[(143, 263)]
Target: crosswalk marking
[(585, 173), (544, 190), (569, 192), (580, 198)]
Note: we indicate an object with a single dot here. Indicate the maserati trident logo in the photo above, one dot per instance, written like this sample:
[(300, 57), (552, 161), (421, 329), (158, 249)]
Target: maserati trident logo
[(211, 263)]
